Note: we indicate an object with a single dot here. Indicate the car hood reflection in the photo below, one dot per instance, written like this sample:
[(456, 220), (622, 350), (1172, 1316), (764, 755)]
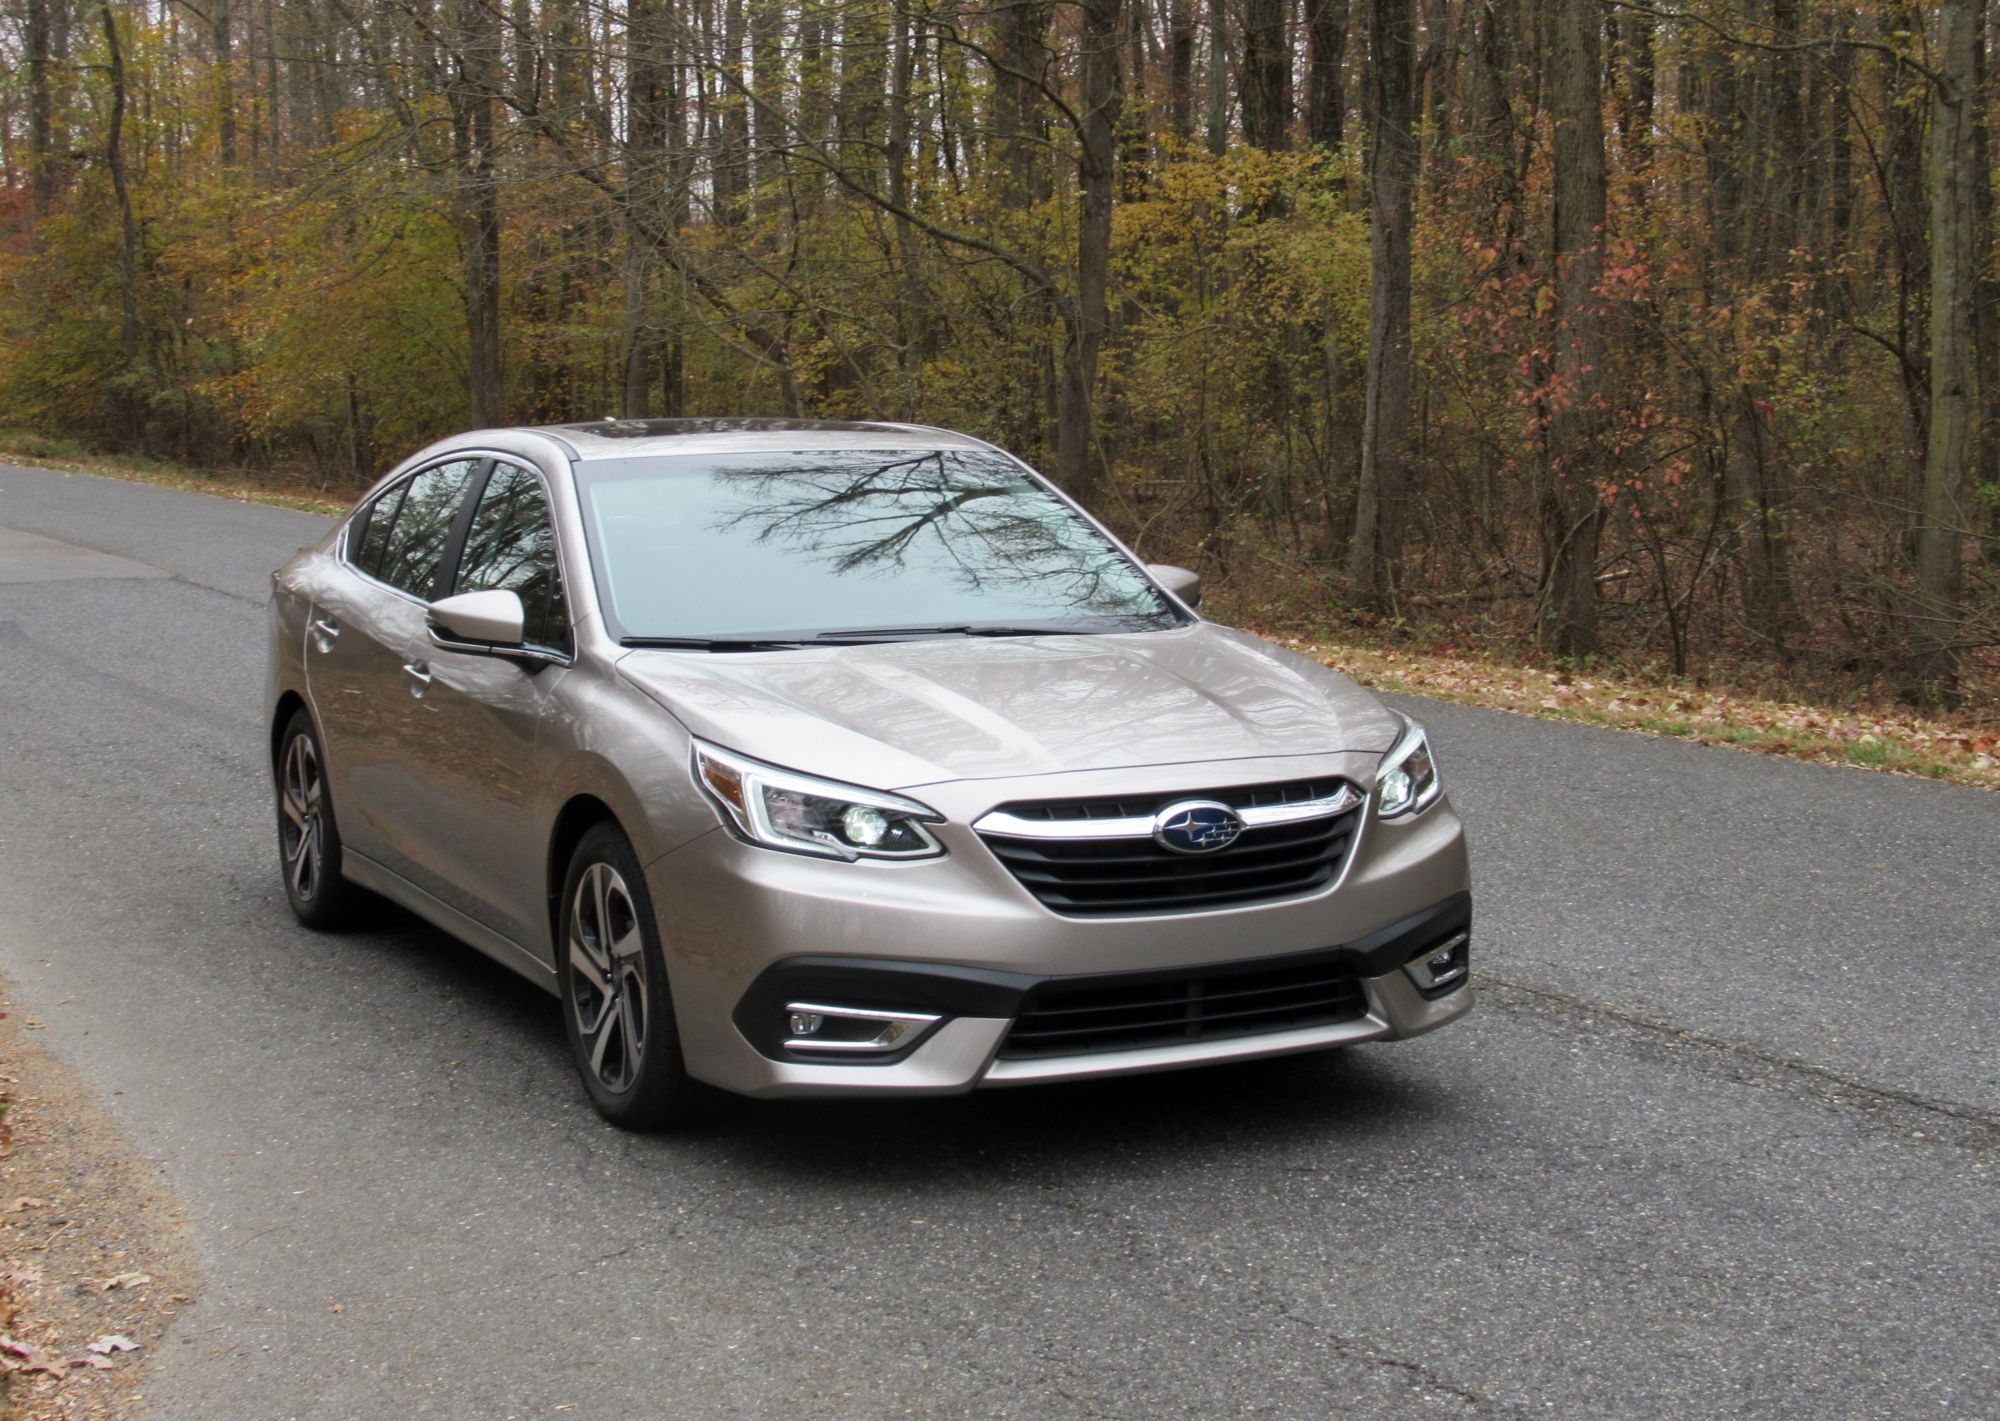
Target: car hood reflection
[(915, 712)]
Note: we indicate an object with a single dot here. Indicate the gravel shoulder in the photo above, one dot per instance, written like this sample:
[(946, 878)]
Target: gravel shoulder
[(92, 1244)]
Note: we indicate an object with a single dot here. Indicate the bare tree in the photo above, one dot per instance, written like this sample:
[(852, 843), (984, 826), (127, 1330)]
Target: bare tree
[(1375, 562)]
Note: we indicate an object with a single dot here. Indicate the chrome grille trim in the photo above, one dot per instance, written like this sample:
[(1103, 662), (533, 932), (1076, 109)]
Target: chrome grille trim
[(1260, 816)]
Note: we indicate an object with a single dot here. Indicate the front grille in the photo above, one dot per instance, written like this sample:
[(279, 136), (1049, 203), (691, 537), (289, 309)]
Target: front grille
[(1097, 877), (1084, 1015)]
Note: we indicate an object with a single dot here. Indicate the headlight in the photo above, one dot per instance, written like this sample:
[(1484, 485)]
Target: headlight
[(781, 809), (1408, 780)]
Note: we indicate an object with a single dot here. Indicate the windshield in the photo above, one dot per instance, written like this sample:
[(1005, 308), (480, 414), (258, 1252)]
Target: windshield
[(872, 544)]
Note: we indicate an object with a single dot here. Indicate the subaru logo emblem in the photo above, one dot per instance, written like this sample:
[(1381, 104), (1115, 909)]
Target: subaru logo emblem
[(1196, 826)]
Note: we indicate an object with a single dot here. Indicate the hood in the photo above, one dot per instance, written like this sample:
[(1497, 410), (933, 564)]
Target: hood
[(908, 713)]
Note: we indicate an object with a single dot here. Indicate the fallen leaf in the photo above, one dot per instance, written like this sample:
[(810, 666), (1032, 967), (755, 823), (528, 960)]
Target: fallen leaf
[(115, 1342), (101, 1363), (25, 1203), (126, 1280)]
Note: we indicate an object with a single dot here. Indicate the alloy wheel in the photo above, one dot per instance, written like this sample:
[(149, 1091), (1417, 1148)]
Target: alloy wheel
[(607, 976), (301, 800)]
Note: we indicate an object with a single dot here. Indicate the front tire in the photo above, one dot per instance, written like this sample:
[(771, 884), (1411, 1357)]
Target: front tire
[(617, 1010), (308, 837)]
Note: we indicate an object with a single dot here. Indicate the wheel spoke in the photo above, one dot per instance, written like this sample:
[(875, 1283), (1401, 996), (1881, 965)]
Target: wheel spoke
[(294, 811), (303, 879), (631, 1020), (607, 1026), (600, 896), (584, 965)]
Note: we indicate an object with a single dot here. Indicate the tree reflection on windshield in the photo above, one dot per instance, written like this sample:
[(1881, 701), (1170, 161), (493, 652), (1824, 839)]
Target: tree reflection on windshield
[(799, 543), (968, 517)]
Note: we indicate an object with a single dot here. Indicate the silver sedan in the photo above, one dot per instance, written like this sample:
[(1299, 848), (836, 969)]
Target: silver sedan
[(801, 758)]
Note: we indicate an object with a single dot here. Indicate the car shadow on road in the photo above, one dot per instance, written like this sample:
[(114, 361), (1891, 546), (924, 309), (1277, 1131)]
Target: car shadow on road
[(1130, 1123)]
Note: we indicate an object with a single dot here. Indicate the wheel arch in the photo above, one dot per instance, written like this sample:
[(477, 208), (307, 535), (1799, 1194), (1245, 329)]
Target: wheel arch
[(579, 815), (289, 705)]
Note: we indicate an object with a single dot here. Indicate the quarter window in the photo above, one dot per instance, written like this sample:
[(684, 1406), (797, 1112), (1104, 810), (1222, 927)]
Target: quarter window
[(416, 542), (511, 547)]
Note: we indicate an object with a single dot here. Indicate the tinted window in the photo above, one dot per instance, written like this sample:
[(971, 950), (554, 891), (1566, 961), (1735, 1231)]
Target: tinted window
[(754, 544), (511, 545), (423, 527), (371, 529)]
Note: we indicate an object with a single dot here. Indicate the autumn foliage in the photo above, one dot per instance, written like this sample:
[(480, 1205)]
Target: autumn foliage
[(885, 209)]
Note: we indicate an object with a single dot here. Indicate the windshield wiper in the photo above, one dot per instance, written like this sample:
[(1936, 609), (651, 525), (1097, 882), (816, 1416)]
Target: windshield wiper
[(868, 634), (710, 643)]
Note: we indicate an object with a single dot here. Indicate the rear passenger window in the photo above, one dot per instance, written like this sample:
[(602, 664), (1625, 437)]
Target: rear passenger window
[(371, 529), (511, 546), (416, 542)]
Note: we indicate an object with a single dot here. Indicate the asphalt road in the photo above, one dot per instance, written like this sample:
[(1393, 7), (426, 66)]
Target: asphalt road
[(1720, 1139)]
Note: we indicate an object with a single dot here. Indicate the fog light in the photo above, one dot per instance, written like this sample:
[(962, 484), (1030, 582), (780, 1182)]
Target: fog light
[(811, 1027), (1440, 968)]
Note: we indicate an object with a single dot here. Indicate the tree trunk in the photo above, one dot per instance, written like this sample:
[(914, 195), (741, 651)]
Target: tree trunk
[(1955, 267), (646, 174), (1180, 68), (1218, 77), (1986, 324), (225, 89), (1573, 509), (476, 208), (910, 323), (1326, 45), (732, 159), (128, 227), (41, 112), (1021, 131), (1077, 465), (1375, 561), (1267, 74)]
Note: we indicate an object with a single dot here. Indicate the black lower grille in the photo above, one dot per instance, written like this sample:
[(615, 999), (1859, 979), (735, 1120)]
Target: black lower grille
[(1083, 1015), (1086, 877)]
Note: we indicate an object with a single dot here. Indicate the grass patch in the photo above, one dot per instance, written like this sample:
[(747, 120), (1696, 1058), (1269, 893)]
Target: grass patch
[(1961, 750), (281, 489)]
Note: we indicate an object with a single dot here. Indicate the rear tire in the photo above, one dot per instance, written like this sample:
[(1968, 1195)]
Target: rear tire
[(308, 837), (617, 1010)]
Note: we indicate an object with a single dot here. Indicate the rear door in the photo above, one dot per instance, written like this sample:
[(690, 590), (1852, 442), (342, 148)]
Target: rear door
[(475, 769), (366, 634)]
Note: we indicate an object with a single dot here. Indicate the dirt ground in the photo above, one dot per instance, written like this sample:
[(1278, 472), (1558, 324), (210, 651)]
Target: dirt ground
[(92, 1248)]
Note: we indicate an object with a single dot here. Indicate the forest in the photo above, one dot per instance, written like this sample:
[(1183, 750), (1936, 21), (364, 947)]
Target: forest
[(1662, 334)]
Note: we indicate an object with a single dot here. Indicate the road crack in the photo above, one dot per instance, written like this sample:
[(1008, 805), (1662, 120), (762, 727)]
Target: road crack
[(1955, 1123)]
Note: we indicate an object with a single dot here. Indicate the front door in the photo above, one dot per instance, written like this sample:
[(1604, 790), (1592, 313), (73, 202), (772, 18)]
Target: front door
[(475, 764)]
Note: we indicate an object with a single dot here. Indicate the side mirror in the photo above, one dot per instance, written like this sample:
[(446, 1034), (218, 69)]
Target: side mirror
[(1182, 583), (479, 621)]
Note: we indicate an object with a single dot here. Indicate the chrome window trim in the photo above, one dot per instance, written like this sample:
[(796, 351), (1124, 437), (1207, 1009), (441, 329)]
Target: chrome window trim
[(1011, 826)]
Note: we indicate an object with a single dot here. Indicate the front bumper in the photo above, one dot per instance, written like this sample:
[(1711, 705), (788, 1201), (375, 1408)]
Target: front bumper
[(735, 919)]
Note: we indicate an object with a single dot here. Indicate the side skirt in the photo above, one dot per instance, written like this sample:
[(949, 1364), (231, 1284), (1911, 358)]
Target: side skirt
[(393, 886)]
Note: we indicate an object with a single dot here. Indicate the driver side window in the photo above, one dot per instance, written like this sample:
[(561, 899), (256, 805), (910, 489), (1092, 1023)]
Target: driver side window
[(511, 545)]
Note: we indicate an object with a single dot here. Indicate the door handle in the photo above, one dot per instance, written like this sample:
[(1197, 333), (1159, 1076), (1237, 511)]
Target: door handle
[(325, 631), (419, 673)]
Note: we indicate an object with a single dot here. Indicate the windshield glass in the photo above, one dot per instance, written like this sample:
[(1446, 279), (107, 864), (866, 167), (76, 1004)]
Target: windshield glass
[(883, 542)]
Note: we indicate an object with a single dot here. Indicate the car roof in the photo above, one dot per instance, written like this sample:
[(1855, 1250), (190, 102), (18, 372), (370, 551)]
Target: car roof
[(638, 438)]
